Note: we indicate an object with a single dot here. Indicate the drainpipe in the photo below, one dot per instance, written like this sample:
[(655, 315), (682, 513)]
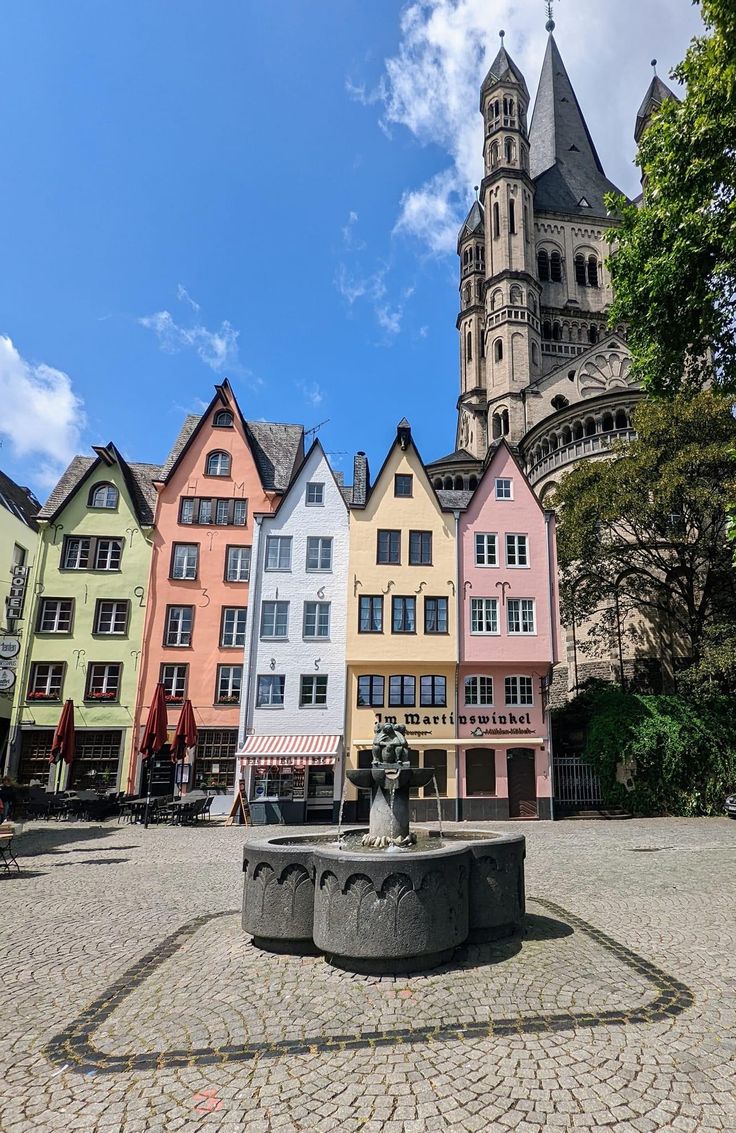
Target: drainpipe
[(459, 629), (549, 521)]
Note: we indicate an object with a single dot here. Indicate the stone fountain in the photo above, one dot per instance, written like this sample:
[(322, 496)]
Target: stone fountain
[(383, 900)]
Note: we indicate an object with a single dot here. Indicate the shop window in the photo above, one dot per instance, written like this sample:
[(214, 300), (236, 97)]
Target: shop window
[(437, 760), (214, 764), (480, 771), (96, 761)]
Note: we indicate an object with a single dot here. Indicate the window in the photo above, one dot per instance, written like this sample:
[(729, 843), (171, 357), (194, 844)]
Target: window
[(218, 464), (433, 692), (270, 692), (278, 552), (580, 275), (316, 619), (403, 484), (313, 691), (498, 350), (111, 616), (496, 220), (108, 553), (370, 613), (469, 347), (223, 419), (519, 691), (555, 267), (229, 680), (319, 553), (232, 631), (104, 496), (504, 489), (420, 548), (592, 271), (401, 692), (45, 682), (512, 203), (435, 615), (76, 553), (179, 626), (403, 615), (484, 615), (237, 564), (174, 680), (480, 771), (103, 682), (517, 551), (214, 764), (55, 615), (275, 619), (315, 495), (206, 511), (389, 547), (486, 549), (543, 265), (520, 615), (479, 691), (370, 692), (185, 560)]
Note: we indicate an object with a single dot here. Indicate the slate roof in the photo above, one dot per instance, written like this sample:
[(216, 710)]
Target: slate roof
[(501, 67), (459, 456), (190, 424), (277, 450), (657, 94), (454, 500), (564, 162), (141, 485), (474, 222), (19, 501)]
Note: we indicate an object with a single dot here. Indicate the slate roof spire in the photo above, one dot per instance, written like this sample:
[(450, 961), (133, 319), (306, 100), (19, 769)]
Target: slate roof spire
[(474, 222), (503, 69), (657, 94), (564, 161)]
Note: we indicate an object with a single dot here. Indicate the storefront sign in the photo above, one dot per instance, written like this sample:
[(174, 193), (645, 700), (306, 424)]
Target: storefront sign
[(494, 723), (7, 679), (16, 597), (9, 648)]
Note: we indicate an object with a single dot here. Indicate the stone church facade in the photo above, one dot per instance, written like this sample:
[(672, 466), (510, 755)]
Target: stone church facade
[(539, 365)]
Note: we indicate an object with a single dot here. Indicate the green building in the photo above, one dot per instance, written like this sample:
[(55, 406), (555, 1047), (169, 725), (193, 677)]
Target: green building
[(18, 544), (85, 620)]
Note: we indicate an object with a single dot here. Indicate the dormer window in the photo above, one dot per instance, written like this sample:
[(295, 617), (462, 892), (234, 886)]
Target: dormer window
[(504, 489), (223, 419), (315, 494), (104, 496), (218, 464)]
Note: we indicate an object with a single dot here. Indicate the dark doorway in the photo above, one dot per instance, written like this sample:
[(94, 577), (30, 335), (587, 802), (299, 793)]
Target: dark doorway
[(160, 772), (522, 783)]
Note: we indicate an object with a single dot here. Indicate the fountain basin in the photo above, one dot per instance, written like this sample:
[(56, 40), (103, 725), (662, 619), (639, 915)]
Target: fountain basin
[(394, 910)]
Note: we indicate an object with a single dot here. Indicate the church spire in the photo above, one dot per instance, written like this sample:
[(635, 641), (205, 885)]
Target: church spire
[(564, 161), (657, 94)]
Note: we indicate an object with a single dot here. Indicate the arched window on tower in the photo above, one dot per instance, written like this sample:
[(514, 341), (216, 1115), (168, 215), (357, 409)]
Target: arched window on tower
[(547, 330), (512, 217), (590, 427), (482, 344), (593, 280), (535, 354), (593, 335), (580, 276), (607, 423), (622, 421), (498, 350), (526, 224), (496, 219), (509, 151), (505, 422), (555, 267), (556, 332), (543, 265), (469, 346), (494, 154), (466, 295)]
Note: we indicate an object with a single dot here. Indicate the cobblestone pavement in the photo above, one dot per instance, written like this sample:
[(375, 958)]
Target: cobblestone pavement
[(134, 1003)]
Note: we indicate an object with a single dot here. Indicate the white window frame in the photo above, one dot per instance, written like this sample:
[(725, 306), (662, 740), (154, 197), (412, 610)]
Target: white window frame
[(320, 543), (45, 686), (478, 702), (106, 666), (230, 684), (269, 680), (179, 677), (279, 610), (494, 609), (504, 480), (319, 500), (282, 544), (312, 681), (512, 603), (107, 549), (240, 557), (111, 492), (116, 603), (515, 692), (512, 550), (188, 550), (236, 630), (56, 603), (490, 539), (82, 545), (222, 460), (178, 632), (317, 613)]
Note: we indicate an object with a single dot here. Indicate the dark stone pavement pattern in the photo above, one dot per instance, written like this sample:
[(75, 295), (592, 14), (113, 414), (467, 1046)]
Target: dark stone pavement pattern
[(134, 1003)]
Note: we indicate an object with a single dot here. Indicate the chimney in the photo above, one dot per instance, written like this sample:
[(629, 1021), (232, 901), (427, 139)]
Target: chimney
[(403, 433), (360, 479)]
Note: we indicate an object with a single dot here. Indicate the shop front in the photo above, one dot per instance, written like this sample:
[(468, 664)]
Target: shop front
[(292, 780), (96, 764)]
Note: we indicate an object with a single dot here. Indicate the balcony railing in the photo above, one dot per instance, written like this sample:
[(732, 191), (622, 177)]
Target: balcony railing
[(585, 446)]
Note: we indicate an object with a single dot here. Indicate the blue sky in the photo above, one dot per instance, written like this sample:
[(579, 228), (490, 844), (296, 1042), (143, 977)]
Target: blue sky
[(194, 189)]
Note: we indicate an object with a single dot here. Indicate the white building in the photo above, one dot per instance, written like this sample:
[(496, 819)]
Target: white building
[(293, 709)]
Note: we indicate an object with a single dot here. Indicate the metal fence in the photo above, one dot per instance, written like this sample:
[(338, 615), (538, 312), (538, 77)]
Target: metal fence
[(576, 783)]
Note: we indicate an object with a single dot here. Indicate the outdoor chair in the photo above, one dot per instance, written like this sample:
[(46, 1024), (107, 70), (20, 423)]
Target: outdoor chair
[(7, 857), (205, 812)]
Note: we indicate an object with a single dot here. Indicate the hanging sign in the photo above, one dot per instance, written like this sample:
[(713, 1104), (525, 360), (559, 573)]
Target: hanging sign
[(9, 647), (17, 595), (7, 679)]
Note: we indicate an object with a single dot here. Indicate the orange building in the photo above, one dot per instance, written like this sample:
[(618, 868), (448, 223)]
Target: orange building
[(221, 471)]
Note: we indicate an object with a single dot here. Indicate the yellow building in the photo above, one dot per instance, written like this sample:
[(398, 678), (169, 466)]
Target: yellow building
[(18, 545), (402, 625)]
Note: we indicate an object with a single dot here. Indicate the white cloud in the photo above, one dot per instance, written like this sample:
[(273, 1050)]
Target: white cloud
[(183, 295), (218, 349), (41, 414), (373, 289), (431, 86), (312, 392), (352, 242)]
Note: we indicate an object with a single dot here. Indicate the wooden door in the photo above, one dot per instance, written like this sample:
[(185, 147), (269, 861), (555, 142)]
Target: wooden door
[(522, 783)]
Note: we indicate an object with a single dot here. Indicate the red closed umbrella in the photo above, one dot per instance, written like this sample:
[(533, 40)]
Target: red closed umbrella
[(155, 734), (63, 745), (186, 732)]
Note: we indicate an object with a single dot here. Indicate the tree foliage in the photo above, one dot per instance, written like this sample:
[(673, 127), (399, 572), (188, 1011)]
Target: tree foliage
[(646, 530), (674, 269), (680, 755)]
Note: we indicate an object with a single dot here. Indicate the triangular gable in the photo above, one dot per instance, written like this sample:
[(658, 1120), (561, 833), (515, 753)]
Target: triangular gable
[(107, 456), (403, 426), (300, 473), (223, 393), (492, 459)]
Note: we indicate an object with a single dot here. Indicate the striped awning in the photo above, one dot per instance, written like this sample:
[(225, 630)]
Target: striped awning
[(290, 751)]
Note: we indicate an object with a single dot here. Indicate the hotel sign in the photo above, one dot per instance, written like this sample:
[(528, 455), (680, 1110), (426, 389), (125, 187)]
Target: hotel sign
[(17, 596)]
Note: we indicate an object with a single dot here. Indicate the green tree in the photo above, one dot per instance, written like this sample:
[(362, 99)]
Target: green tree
[(674, 268), (646, 531)]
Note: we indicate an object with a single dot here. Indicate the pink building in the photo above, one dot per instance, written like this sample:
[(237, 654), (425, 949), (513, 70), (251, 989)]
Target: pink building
[(221, 471), (508, 644)]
